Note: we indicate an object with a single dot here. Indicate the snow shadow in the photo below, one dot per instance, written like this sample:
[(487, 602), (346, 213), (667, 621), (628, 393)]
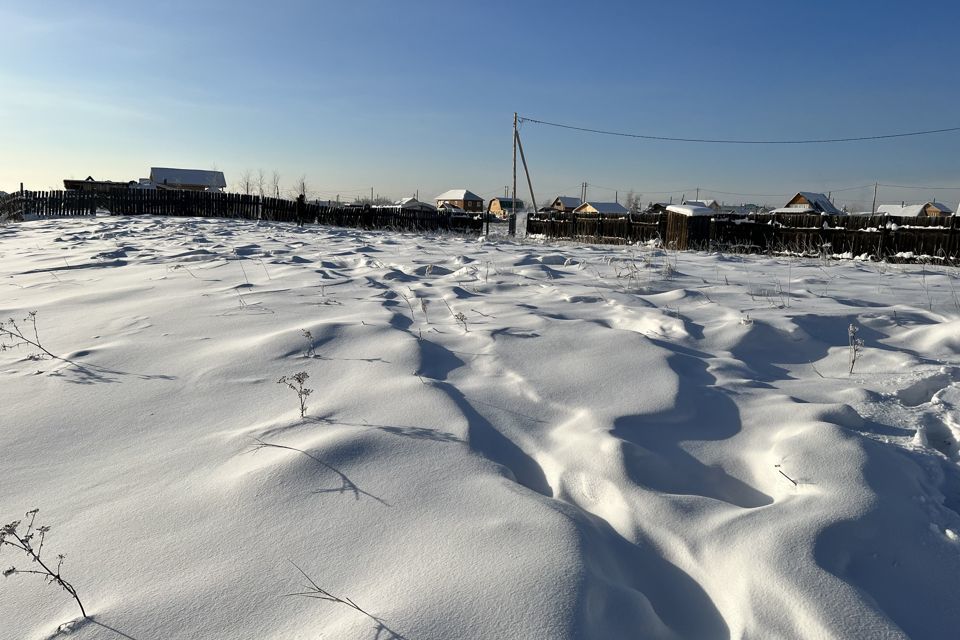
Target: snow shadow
[(890, 551), (652, 454), (347, 486), (632, 591)]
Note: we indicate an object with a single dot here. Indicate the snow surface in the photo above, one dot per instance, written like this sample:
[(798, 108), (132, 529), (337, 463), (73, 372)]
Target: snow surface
[(605, 446)]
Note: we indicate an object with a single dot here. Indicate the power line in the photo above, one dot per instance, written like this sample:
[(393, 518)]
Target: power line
[(731, 141), (903, 186)]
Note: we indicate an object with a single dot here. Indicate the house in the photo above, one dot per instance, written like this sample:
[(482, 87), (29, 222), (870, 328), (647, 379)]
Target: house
[(414, 205), (99, 186), (188, 179), (451, 209), (462, 199), (690, 210), (925, 210), (809, 202), (503, 207), (709, 204), (564, 204), (602, 208)]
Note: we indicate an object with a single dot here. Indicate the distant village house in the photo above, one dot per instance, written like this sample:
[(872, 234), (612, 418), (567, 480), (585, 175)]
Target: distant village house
[(97, 186), (188, 179), (564, 204), (809, 202), (602, 208), (503, 207), (925, 210), (462, 199), (709, 204)]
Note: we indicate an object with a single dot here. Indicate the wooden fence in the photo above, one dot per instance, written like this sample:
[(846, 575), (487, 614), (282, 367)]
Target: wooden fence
[(878, 237), (49, 204)]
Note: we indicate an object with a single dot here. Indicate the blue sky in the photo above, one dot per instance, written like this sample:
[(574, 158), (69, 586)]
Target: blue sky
[(407, 97)]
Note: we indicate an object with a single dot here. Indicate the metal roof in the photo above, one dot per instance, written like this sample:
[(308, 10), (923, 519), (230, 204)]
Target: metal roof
[(190, 177)]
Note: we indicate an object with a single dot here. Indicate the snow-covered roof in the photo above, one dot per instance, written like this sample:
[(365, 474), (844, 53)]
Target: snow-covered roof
[(414, 204), (820, 202), (605, 207), (702, 203), (690, 210), (906, 211), (459, 194), (911, 210), (192, 177), (569, 202), (507, 201), (944, 208)]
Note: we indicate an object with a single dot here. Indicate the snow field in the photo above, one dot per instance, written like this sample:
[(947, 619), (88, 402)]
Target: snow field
[(619, 442)]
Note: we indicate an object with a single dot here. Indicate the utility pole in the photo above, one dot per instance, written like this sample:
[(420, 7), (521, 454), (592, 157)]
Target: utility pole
[(874, 209), (698, 193), (513, 202), (526, 170), (616, 196), (371, 195)]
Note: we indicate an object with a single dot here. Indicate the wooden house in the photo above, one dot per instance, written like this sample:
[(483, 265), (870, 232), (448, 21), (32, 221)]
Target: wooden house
[(414, 205), (462, 199), (925, 210), (809, 202), (187, 179), (503, 207), (602, 208), (709, 204), (99, 186), (564, 204)]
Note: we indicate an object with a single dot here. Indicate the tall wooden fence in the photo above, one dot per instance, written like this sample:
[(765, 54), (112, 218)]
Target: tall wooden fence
[(48, 204), (879, 237)]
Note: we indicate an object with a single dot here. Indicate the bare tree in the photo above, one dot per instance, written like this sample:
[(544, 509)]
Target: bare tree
[(301, 186), (275, 184), (246, 182), (261, 181)]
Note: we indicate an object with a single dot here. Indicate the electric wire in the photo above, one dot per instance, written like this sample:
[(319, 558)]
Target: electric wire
[(734, 141)]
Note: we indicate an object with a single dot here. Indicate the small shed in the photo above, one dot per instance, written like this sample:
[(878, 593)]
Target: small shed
[(461, 198), (809, 202), (602, 208), (503, 207), (188, 179)]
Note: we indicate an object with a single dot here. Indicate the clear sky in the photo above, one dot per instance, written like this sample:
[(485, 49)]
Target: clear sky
[(419, 96)]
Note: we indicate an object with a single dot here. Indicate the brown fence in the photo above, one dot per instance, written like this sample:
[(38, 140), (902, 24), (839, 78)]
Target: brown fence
[(48, 204), (879, 237)]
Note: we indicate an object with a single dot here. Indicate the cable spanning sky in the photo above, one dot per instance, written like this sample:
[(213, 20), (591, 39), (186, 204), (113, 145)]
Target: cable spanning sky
[(417, 98)]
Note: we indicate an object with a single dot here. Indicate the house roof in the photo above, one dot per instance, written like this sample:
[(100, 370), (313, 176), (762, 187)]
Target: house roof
[(414, 204), (944, 208), (193, 177), (568, 202), (605, 207), (702, 203), (910, 210), (459, 194), (819, 201), (690, 210), (906, 211)]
